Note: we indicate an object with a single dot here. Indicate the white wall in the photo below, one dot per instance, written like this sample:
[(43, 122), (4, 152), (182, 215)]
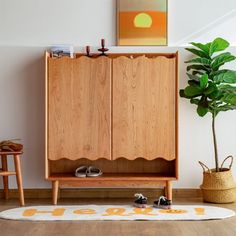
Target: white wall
[(28, 27)]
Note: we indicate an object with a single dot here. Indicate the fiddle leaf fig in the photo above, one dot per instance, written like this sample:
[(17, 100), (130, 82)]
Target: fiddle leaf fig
[(203, 61), (199, 67), (204, 47), (226, 88), (225, 76), (198, 52), (229, 98), (193, 83), (195, 72), (202, 111), (211, 89), (217, 45), (204, 81), (192, 91), (193, 77), (225, 108), (194, 101), (221, 59)]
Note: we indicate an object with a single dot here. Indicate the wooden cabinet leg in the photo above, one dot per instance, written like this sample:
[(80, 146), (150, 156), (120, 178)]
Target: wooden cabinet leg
[(19, 179), (55, 187), (5, 178), (59, 193), (169, 190), (165, 191)]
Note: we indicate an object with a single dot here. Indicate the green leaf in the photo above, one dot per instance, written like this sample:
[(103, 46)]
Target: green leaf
[(227, 88), (215, 95), (198, 52), (182, 94), (195, 72), (210, 89), (199, 60), (221, 59), (229, 99), (225, 108), (192, 91), (204, 81), (193, 77), (194, 83), (204, 47), (198, 67), (194, 101), (225, 76), (201, 111), (217, 45)]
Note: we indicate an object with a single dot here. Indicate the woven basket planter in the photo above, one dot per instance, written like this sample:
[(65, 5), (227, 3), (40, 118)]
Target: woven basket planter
[(218, 187)]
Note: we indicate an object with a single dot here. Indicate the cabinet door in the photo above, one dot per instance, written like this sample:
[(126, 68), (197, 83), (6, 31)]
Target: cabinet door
[(144, 92), (79, 108)]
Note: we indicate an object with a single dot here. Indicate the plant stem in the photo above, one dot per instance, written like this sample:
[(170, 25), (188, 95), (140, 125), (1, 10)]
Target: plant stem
[(215, 141)]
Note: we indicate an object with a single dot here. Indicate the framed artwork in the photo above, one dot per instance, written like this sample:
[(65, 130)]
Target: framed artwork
[(142, 22)]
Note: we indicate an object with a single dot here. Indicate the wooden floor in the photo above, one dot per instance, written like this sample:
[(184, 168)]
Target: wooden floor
[(114, 228)]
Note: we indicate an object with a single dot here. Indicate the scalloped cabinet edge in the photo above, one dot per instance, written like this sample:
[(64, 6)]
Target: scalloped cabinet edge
[(120, 106)]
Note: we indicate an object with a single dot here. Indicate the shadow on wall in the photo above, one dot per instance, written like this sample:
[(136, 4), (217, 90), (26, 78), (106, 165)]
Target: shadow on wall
[(219, 27), (33, 74), (23, 103)]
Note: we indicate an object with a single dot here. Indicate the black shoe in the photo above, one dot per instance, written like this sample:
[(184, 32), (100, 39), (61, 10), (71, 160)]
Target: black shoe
[(140, 201), (162, 203)]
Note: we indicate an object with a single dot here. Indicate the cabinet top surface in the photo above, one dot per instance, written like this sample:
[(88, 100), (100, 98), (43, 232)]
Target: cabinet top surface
[(116, 55)]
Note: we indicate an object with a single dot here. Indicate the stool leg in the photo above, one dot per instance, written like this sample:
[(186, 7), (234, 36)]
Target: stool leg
[(55, 187), (5, 178), (19, 179)]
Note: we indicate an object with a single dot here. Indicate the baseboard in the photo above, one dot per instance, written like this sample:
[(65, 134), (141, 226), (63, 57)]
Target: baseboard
[(102, 193)]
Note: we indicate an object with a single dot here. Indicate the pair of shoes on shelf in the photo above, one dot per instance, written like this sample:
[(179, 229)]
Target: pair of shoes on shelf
[(87, 171), (162, 202)]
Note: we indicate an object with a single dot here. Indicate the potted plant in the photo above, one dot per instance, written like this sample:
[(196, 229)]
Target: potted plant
[(212, 89)]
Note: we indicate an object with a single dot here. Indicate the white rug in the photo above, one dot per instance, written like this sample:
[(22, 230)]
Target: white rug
[(115, 212)]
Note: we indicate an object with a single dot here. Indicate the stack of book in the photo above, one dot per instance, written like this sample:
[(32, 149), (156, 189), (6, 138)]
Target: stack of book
[(62, 50)]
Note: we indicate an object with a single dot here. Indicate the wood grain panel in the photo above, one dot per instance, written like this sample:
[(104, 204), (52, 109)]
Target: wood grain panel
[(79, 100), (144, 108)]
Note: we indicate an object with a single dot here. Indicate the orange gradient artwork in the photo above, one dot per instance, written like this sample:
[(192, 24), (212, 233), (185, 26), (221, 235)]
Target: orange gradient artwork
[(142, 22)]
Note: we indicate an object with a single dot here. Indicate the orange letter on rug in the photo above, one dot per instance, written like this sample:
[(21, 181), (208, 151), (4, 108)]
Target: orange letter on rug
[(84, 211), (172, 211), (55, 212), (143, 211), (199, 211), (115, 212)]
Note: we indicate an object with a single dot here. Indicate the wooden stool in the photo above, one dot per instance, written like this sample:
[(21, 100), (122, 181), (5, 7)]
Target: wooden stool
[(5, 173)]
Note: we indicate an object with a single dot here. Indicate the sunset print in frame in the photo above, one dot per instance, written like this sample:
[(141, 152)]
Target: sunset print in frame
[(142, 22)]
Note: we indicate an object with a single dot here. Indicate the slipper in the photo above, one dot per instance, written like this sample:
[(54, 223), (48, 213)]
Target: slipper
[(93, 171), (81, 171)]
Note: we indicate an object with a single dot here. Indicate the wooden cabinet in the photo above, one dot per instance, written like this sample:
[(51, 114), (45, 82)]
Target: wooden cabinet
[(118, 113), (144, 108), (79, 105)]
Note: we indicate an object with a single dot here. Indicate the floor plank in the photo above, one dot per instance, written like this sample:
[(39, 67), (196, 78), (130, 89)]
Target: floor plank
[(225, 227)]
